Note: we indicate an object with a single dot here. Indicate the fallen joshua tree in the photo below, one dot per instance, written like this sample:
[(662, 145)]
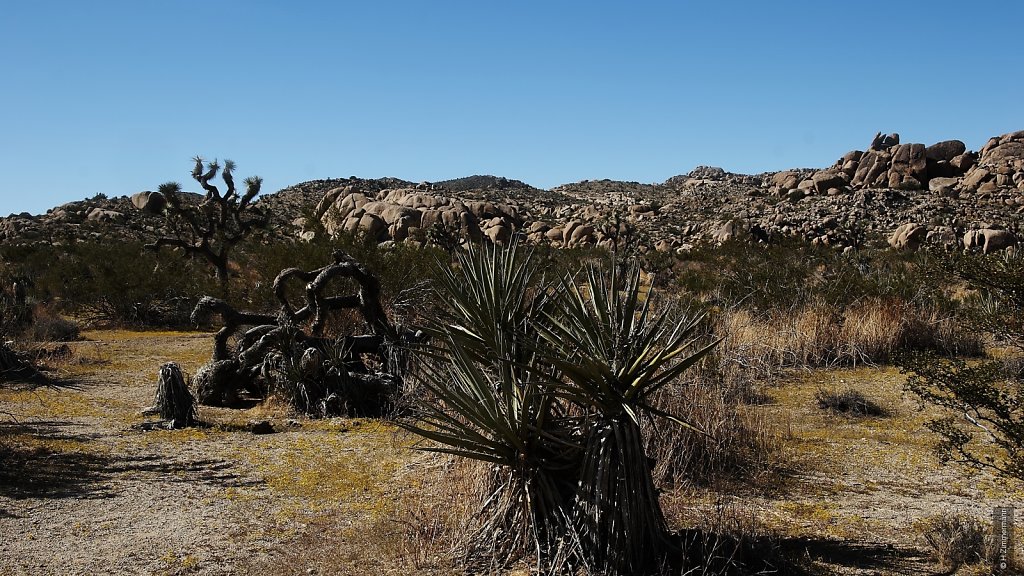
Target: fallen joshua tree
[(287, 354)]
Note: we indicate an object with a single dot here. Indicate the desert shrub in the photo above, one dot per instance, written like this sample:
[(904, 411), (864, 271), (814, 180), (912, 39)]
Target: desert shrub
[(113, 283), (954, 540), (49, 326), (848, 401), (550, 385), (795, 304), (790, 273), (817, 334), (984, 401), (727, 442)]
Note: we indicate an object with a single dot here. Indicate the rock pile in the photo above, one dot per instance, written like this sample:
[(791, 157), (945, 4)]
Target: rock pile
[(408, 213), (946, 168), (908, 194)]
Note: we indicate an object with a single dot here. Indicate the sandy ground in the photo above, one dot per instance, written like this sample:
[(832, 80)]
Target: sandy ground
[(83, 490), (87, 492)]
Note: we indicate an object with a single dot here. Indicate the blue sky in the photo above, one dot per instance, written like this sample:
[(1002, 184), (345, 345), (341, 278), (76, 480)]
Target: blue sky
[(115, 97)]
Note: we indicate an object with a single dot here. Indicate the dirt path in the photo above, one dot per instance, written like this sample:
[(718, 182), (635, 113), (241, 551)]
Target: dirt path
[(87, 493), (84, 491)]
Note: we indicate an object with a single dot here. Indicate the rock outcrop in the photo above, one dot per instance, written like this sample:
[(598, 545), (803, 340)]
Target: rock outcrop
[(903, 194)]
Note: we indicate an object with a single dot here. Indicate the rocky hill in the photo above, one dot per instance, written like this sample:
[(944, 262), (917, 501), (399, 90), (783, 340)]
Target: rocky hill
[(934, 192)]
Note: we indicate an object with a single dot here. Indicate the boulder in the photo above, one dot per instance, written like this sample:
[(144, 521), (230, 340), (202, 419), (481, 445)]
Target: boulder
[(583, 234), (149, 202), (373, 226), (729, 230), (974, 178), (787, 180), (827, 179), (989, 240), (884, 141), (872, 170), (964, 162), (499, 234), (908, 237), (942, 186), (1003, 153), (909, 166), (945, 150), (101, 215)]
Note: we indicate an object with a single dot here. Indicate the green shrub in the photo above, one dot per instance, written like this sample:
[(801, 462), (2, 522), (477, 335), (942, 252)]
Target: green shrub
[(113, 283)]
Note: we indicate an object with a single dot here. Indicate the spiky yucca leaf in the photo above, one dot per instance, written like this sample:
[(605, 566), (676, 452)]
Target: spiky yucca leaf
[(211, 171), (491, 408), (169, 188), (612, 356), (252, 188), (612, 353)]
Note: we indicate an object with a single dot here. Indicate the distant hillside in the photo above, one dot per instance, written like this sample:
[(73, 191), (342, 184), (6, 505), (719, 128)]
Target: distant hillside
[(862, 198)]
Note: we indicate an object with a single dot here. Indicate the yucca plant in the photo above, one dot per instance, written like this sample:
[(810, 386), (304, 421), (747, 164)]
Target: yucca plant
[(492, 407), (547, 384), (612, 355)]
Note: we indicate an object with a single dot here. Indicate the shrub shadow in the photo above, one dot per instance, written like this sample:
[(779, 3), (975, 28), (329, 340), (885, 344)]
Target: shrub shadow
[(61, 464), (707, 552)]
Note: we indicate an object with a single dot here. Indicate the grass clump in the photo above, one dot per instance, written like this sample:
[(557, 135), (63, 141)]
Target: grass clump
[(848, 401), (954, 540)]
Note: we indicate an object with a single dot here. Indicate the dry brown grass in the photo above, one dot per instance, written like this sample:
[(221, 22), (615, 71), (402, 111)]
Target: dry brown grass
[(732, 443), (816, 334)]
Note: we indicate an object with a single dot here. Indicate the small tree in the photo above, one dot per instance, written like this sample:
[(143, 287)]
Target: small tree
[(213, 227), (984, 427)]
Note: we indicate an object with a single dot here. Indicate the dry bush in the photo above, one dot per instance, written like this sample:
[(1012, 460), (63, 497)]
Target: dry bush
[(954, 540), (730, 540), (850, 402), (818, 334), (734, 443), (49, 326), (436, 520)]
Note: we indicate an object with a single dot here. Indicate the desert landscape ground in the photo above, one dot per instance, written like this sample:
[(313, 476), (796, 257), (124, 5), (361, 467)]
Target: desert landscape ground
[(356, 340)]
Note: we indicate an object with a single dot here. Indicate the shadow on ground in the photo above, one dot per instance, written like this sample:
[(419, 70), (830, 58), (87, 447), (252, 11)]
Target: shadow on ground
[(55, 463), (724, 554)]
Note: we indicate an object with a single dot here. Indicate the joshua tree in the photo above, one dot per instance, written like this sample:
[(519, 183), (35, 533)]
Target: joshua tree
[(213, 227)]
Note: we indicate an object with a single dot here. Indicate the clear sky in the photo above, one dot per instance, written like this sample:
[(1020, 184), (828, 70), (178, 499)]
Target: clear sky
[(114, 97)]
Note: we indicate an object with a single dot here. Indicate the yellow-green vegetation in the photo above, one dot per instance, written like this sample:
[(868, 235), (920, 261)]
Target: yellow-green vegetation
[(851, 478), (343, 463)]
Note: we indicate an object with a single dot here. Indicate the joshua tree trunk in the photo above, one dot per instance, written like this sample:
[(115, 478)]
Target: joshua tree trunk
[(173, 399)]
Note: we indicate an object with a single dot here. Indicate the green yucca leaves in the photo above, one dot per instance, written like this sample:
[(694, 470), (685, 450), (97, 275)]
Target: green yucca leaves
[(549, 384), (612, 355)]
